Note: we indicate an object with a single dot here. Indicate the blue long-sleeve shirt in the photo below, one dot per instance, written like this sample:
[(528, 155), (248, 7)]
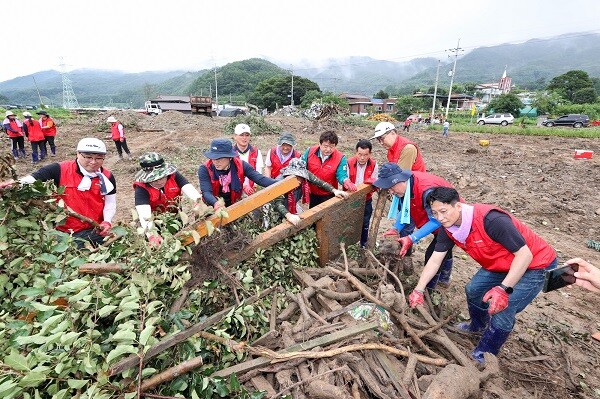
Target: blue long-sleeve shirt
[(206, 185), (341, 173)]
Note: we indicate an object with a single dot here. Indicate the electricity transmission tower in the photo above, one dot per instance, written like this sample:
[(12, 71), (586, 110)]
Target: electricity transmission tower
[(69, 99)]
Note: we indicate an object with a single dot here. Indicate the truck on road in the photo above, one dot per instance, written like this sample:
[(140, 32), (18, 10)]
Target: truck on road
[(186, 104)]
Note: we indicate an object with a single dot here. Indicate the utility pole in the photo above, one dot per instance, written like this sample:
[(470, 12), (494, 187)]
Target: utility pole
[(437, 77), (38, 91), (292, 71), (455, 51), (216, 88)]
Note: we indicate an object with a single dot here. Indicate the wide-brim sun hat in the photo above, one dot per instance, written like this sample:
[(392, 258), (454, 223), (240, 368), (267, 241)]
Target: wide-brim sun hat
[(42, 113), (111, 119), (154, 168), (9, 113), (391, 174), (383, 128), (296, 167), (220, 148), (91, 145), (25, 114)]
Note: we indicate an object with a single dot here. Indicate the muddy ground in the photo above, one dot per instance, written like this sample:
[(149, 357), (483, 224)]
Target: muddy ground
[(550, 354)]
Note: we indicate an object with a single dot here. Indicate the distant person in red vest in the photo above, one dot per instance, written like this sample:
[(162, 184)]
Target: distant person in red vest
[(89, 190), (513, 262), (117, 134), (247, 152), (401, 151), (33, 131), (224, 173), (407, 123), (49, 130), (280, 156), (363, 169), (158, 188), (328, 164), (14, 128), (413, 189)]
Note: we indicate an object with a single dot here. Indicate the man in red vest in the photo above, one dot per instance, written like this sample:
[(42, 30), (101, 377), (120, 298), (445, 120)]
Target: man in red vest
[(90, 190), (49, 130), (248, 153), (401, 151), (328, 164), (513, 258), (33, 131), (413, 189), (14, 128), (280, 156), (363, 169), (117, 134)]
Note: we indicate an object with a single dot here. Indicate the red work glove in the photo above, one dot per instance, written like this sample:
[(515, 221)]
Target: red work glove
[(104, 229), (349, 186), (498, 299), (155, 240), (391, 233), (406, 243), (248, 189), (416, 298), (122, 139)]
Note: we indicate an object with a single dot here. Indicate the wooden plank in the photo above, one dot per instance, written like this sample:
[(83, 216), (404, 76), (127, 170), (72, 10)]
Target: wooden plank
[(309, 217), (341, 222), (304, 346), (261, 384), (246, 206), (392, 369)]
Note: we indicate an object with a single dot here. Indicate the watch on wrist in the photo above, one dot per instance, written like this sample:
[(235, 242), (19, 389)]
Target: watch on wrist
[(508, 290)]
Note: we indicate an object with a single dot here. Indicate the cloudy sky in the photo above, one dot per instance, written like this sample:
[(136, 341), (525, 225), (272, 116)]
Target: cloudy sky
[(133, 35)]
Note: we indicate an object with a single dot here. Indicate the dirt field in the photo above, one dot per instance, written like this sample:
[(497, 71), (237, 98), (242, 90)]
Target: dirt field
[(550, 354)]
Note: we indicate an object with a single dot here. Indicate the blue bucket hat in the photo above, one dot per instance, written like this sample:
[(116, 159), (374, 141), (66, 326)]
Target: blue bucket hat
[(390, 174), (220, 148)]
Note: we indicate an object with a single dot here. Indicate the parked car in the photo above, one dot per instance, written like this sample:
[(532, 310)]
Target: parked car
[(232, 112), (575, 120), (496, 119)]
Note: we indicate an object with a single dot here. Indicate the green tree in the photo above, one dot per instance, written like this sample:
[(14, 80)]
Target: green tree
[(274, 91), (407, 105), (547, 103), (570, 82), (586, 95), (507, 103), (329, 97), (381, 95)]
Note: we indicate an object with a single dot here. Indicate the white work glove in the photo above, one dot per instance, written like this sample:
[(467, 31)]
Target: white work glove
[(293, 219), (340, 194)]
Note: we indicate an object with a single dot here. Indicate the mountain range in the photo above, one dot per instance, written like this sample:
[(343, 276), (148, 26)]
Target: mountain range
[(531, 65)]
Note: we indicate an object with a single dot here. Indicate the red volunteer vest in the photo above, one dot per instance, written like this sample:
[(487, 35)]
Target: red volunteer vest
[(393, 154), (352, 162), (15, 127), (88, 203), (493, 256), (114, 130), (216, 185), (277, 165), (51, 131), (423, 181), (34, 132), (323, 170), (252, 157), (165, 199)]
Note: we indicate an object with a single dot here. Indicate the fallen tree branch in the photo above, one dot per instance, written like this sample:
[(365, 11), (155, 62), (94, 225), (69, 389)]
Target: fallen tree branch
[(101, 268), (171, 373), (301, 382)]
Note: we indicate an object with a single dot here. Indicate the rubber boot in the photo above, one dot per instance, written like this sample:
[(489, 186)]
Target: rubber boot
[(443, 275), (15, 153), (34, 157), (53, 150), (479, 320), (491, 341), (23, 153), (42, 154)]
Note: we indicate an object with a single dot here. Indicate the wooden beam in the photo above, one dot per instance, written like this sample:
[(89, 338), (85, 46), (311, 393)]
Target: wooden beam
[(245, 206), (304, 346)]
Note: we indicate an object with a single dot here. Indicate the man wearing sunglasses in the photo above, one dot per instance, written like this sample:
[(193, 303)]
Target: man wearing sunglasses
[(90, 190)]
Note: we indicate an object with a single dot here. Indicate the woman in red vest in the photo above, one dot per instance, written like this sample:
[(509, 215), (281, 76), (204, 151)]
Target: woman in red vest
[(14, 129), (280, 156), (49, 130), (224, 173), (117, 134), (513, 262), (33, 131), (158, 188)]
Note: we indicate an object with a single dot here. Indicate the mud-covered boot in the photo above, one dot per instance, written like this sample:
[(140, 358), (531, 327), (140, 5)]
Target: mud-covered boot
[(480, 319), (491, 341)]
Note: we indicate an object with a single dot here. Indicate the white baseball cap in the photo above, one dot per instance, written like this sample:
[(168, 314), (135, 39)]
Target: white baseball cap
[(91, 145), (382, 128), (111, 119), (242, 128)]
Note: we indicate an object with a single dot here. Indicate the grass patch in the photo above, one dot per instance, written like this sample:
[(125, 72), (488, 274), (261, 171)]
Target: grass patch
[(527, 130)]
